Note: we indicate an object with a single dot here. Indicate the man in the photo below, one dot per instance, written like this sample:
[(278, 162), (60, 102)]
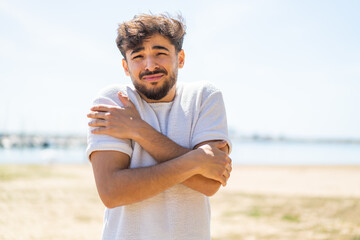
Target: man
[(158, 148)]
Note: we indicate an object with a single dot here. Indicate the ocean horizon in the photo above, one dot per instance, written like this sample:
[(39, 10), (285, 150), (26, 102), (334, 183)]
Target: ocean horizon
[(243, 153)]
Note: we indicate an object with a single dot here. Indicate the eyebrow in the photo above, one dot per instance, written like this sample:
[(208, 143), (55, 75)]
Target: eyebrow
[(160, 48), (136, 50)]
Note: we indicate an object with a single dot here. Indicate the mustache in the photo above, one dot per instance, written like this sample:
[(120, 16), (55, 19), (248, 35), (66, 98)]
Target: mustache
[(144, 73)]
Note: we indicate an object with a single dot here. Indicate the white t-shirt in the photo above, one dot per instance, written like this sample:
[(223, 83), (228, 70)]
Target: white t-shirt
[(196, 114)]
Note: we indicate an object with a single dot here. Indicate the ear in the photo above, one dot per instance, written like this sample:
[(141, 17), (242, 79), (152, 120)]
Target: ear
[(125, 66), (181, 58)]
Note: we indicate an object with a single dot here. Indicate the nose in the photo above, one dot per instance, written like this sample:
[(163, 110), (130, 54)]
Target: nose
[(150, 64)]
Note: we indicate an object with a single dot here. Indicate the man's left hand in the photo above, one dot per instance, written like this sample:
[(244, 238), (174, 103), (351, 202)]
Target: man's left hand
[(120, 122)]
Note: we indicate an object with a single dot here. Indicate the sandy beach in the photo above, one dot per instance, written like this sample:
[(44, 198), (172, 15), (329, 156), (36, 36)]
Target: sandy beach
[(317, 202)]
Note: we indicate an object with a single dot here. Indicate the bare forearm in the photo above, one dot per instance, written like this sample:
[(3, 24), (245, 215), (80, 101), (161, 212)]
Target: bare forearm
[(134, 185), (159, 146), (162, 149)]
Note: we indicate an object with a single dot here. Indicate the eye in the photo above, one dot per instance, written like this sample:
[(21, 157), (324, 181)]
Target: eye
[(137, 56), (161, 53)]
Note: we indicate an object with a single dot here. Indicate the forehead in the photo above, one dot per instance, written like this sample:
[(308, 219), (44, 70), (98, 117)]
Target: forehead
[(153, 42)]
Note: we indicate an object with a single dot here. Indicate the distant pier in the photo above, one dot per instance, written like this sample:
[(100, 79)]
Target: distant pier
[(9, 141)]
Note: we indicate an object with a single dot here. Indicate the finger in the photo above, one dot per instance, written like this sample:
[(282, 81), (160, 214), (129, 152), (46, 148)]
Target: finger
[(224, 181), (228, 159), (98, 123), (101, 108), (99, 130), (97, 115), (219, 144), (124, 99), (225, 149), (227, 173), (228, 168)]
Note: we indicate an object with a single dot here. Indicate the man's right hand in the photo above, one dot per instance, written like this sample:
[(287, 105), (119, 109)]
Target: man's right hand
[(120, 122), (214, 163)]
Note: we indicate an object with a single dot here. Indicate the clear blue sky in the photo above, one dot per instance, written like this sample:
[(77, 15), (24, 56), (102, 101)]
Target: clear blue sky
[(285, 67)]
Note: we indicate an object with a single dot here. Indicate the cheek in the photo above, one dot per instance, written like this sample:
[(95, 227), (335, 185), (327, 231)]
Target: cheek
[(168, 63), (134, 69)]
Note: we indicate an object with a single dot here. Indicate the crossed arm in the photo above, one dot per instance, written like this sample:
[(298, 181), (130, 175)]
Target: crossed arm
[(203, 169)]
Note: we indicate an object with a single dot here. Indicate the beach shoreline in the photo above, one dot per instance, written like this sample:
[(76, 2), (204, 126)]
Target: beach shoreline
[(56, 202)]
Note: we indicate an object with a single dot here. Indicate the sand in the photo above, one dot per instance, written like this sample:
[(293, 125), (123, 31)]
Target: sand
[(321, 181), (303, 202), (61, 202)]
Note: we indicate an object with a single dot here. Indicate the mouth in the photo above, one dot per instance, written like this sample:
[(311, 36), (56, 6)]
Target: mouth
[(153, 77)]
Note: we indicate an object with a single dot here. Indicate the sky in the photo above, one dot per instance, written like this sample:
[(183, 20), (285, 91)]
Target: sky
[(287, 68)]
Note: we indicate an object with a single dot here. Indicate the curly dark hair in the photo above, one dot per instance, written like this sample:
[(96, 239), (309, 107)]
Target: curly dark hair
[(132, 33)]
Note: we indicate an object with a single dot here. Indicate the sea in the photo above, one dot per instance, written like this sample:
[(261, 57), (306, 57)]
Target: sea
[(243, 153)]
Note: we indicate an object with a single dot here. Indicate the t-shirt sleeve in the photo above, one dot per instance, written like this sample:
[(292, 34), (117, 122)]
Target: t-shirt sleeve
[(212, 122), (99, 142)]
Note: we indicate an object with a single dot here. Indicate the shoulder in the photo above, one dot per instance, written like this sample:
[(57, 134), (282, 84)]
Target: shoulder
[(109, 95), (201, 91), (199, 87), (111, 90)]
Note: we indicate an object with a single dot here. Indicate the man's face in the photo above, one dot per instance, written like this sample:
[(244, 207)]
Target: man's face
[(153, 68)]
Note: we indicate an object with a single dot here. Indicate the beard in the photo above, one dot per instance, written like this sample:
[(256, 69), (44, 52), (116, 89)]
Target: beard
[(156, 93)]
